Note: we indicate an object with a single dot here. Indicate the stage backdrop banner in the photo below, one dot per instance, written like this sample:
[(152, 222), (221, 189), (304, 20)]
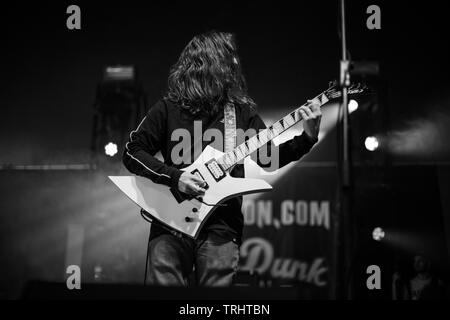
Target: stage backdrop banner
[(288, 232)]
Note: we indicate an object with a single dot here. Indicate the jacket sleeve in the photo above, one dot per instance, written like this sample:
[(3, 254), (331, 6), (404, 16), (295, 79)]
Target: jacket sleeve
[(283, 154), (144, 142)]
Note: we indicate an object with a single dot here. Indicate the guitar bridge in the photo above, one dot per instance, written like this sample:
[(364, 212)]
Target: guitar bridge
[(180, 196)]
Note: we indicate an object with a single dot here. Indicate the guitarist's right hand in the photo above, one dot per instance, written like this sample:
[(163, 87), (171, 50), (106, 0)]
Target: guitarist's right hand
[(191, 184)]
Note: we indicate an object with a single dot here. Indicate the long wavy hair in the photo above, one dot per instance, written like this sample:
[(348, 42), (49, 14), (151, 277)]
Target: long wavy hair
[(208, 75)]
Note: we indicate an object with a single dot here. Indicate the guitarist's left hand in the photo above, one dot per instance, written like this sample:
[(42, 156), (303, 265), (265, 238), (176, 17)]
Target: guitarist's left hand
[(311, 115)]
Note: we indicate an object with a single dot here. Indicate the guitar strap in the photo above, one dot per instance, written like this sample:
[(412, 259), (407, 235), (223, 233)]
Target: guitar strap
[(229, 121)]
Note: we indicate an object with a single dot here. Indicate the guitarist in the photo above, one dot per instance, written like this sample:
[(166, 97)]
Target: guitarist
[(206, 78)]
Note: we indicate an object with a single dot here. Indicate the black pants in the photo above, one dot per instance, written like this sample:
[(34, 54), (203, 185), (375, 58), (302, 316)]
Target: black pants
[(173, 257)]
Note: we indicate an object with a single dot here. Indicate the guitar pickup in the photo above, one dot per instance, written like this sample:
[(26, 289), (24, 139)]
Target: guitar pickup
[(199, 175), (215, 169), (181, 196)]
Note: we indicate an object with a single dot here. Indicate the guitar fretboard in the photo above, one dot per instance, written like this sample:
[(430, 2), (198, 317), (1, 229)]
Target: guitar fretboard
[(229, 159)]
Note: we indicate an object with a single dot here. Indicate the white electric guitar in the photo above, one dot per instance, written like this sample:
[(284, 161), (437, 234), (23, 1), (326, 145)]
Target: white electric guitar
[(187, 214)]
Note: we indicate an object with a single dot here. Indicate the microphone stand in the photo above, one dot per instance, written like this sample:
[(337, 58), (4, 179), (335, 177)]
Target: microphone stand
[(343, 289)]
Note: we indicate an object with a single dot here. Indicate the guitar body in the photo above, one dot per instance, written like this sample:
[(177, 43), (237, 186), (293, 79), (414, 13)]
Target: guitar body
[(181, 212)]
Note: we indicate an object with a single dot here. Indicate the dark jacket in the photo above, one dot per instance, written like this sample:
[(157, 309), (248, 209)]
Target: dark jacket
[(154, 134)]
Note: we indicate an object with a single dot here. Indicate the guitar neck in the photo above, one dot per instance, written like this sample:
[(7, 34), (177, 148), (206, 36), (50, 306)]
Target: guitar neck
[(231, 158)]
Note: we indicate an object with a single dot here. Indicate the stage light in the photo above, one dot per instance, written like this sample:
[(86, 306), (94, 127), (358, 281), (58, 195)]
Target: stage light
[(378, 234), (424, 137), (111, 149), (352, 106), (119, 73), (371, 143)]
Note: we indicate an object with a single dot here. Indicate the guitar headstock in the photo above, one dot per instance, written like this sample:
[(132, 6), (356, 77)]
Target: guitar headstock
[(334, 92)]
